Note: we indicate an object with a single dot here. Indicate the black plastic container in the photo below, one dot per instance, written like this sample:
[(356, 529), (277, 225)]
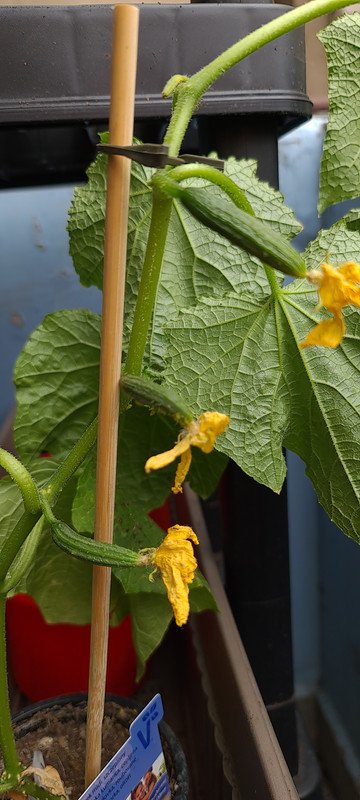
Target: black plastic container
[(175, 759), (55, 78)]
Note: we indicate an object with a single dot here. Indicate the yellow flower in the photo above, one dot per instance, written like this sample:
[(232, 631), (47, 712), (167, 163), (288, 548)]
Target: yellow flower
[(338, 287), (200, 433), (176, 561)]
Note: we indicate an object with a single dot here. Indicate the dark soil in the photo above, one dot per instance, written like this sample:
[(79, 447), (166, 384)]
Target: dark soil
[(59, 732)]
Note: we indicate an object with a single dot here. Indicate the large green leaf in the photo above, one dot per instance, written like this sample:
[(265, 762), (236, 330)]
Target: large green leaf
[(351, 220), (151, 435), (267, 202), (57, 378), (337, 244), (86, 229), (197, 261), (233, 366), (140, 436), (150, 619), (340, 167), (241, 355), (206, 471), (87, 214), (86, 224)]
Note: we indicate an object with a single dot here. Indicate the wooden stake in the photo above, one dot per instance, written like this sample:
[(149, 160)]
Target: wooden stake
[(124, 59)]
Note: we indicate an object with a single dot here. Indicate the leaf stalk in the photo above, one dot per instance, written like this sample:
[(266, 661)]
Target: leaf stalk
[(189, 93), (160, 218), (214, 176), (71, 463), (7, 740), (22, 478)]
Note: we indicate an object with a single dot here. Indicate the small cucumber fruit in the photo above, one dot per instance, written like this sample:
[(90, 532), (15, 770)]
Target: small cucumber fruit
[(156, 397), (80, 546), (238, 227)]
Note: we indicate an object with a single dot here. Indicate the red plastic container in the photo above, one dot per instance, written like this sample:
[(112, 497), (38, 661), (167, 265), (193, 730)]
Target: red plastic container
[(47, 660), (50, 660)]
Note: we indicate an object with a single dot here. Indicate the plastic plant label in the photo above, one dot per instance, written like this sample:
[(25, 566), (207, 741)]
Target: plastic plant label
[(137, 771)]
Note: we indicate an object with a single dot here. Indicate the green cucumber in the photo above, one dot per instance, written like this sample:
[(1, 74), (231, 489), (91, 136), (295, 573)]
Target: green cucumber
[(238, 227), (80, 546), (156, 397)]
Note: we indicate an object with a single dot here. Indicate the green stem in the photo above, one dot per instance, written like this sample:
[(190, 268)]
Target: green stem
[(145, 303), (51, 491), (46, 507), (263, 35), (71, 462), (7, 740), (214, 176), (9, 551), (15, 540), (22, 563), (271, 276), (22, 478), (185, 105), (190, 92), (160, 218)]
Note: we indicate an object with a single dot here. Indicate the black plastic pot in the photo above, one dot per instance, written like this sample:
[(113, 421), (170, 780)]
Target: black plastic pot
[(24, 723)]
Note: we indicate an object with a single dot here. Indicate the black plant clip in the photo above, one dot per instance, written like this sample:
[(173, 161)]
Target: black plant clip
[(156, 155)]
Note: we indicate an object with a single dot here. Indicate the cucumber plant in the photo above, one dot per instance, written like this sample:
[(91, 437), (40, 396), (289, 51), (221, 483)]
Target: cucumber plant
[(219, 357)]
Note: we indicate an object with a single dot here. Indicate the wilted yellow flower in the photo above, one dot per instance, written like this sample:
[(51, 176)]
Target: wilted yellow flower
[(200, 433), (338, 287), (176, 561), (47, 777)]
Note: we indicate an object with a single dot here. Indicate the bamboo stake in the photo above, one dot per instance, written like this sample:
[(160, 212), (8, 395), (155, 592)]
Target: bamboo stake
[(123, 75)]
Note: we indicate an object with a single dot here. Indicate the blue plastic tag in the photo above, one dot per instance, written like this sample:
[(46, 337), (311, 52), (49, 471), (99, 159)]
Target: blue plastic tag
[(137, 771)]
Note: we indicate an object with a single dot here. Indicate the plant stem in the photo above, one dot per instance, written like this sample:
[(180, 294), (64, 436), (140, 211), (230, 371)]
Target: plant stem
[(266, 33), (71, 462), (21, 564), (15, 540), (46, 508), (214, 176), (189, 93), (51, 491), (7, 740), (185, 105), (271, 276), (22, 478), (145, 303)]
